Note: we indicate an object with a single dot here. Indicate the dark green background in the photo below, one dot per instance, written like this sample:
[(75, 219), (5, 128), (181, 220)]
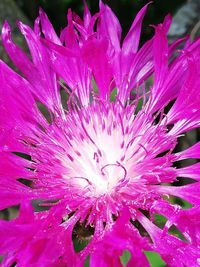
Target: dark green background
[(124, 9)]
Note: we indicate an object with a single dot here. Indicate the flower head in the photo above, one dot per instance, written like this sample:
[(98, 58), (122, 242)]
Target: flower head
[(100, 159)]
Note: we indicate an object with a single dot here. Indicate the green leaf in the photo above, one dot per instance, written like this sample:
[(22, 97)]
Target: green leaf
[(159, 220), (87, 262), (139, 105), (95, 87), (154, 259), (125, 257), (113, 95)]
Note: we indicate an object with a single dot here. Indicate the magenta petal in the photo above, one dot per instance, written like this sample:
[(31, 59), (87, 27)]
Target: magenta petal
[(160, 47), (186, 254), (94, 55), (74, 71), (142, 65), (191, 152), (16, 54), (192, 172), (41, 242), (120, 237), (12, 93), (71, 38), (47, 28), (109, 26), (188, 192), (38, 74), (131, 41), (40, 59), (87, 16), (187, 103), (160, 53)]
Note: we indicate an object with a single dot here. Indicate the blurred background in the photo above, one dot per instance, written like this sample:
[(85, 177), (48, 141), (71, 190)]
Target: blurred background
[(186, 20)]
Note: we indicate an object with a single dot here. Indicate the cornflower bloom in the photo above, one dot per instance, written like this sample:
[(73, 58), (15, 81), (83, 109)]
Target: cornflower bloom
[(102, 165)]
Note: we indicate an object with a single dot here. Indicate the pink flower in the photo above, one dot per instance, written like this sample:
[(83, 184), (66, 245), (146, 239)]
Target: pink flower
[(103, 166)]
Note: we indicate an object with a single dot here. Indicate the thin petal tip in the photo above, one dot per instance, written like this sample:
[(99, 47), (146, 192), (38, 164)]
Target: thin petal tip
[(6, 29)]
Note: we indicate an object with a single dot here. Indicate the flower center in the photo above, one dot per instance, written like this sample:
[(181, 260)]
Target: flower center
[(109, 151), (98, 166), (98, 156)]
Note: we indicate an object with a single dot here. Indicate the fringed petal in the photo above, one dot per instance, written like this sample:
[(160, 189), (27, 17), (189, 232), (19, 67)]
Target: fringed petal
[(122, 236), (192, 152), (109, 26), (192, 172), (48, 29), (132, 39), (185, 110), (38, 73), (186, 254), (190, 193), (72, 69)]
